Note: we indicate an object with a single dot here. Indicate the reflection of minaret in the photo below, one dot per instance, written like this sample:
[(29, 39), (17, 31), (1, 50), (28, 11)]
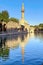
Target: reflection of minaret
[(22, 54), (23, 44)]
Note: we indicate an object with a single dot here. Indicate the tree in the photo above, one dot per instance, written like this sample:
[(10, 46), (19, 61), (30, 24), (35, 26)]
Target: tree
[(14, 20), (5, 16), (0, 16), (41, 25)]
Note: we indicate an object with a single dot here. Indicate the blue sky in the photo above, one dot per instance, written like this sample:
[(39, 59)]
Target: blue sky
[(33, 9)]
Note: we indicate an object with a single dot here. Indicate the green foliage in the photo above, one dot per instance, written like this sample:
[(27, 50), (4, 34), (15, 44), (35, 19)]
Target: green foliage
[(14, 20), (0, 16), (4, 16), (41, 25), (4, 52)]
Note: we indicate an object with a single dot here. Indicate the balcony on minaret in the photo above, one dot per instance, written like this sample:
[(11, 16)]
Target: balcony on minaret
[(22, 11)]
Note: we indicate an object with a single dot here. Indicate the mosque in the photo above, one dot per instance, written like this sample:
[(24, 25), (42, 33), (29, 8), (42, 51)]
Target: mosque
[(23, 22), (10, 26)]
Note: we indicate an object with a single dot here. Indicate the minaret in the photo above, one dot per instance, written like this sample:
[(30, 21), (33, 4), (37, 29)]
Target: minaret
[(22, 11), (22, 15)]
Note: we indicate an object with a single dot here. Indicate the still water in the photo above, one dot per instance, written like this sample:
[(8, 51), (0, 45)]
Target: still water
[(24, 49)]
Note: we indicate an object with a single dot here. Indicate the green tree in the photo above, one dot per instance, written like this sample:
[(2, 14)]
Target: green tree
[(5, 16), (14, 20), (41, 25), (0, 16)]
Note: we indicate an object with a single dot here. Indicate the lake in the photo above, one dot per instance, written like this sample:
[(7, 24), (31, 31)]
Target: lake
[(25, 49)]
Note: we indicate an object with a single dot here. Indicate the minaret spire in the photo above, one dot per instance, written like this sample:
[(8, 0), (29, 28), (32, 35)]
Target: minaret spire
[(22, 15), (22, 10)]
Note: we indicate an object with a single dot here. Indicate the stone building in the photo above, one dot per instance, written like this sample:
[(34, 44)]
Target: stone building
[(12, 26)]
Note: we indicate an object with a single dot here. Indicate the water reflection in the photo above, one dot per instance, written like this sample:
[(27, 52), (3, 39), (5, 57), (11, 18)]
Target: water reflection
[(2, 42), (12, 42), (39, 36), (4, 53), (22, 44), (8, 43)]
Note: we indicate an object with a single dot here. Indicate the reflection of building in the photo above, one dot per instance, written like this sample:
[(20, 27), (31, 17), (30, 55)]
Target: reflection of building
[(39, 35), (23, 44), (21, 41), (2, 42), (13, 43), (22, 51), (31, 35), (4, 52), (10, 42)]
